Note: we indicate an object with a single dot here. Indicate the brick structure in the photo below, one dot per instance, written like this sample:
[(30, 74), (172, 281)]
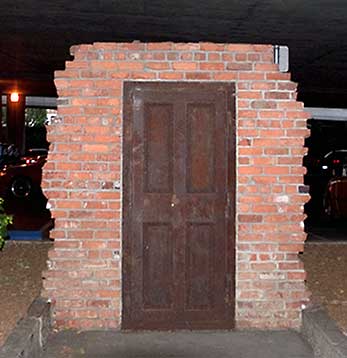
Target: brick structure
[(82, 178)]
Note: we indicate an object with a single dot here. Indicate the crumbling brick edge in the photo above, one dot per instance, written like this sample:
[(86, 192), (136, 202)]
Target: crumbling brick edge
[(30, 334), (322, 333)]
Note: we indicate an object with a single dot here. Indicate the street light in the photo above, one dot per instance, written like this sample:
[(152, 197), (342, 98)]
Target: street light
[(14, 97)]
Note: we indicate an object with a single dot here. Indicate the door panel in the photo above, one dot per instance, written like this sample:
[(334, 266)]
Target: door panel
[(157, 266), (178, 235), (158, 148), (199, 264), (201, 148)]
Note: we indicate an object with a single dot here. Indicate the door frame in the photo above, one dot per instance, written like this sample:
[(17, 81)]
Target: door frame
[(127, 187)]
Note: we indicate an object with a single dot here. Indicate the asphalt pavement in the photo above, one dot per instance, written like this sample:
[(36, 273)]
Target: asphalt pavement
[(328, 233)]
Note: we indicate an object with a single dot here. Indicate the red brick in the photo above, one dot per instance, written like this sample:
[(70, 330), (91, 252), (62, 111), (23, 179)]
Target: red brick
[(240, 48), (161, 46), (250, 295), (103, 65), (206, 46), (251, 76), (186, 46), (241, 57), (214, 56), (264, 104), (184, 66), (212, 66), (250, 94), (248, 114), (244, 160), (130, 66), (172, 56), (300, 276), (228, 57), (265, 67), (171, 75), (198, 76), (200, 56), (263, 266), (118, 75), (95, 148), (250, 218), (286, 86), (157, 65), (277, 95), (263, 85), (237, 66), (255, 57), (271, 114), (225, 76), (280, 76), (186, 56)]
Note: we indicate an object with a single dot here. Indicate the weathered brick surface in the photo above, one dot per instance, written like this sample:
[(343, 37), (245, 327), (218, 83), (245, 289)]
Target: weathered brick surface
[(83, 178)]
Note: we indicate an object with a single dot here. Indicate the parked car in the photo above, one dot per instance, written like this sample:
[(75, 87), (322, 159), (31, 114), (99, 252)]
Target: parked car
[(329, 165), (334, 163), (325, 176), (20, 187), (335, 199), (20, 176), (312, 163)]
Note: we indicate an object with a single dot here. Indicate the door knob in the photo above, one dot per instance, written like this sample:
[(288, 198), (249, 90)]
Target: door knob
[(174, 200)]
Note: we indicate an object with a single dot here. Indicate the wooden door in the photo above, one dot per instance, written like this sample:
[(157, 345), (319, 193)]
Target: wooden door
[(179, 189)]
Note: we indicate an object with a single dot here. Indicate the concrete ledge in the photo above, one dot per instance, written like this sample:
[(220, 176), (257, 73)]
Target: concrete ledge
[(322, 333), (30, 334)]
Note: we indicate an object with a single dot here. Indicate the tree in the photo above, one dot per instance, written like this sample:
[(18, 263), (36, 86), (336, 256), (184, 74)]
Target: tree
[(5, 220), (35, 117)]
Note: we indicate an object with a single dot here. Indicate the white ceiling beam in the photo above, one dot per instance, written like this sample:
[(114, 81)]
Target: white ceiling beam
[(328, 114)]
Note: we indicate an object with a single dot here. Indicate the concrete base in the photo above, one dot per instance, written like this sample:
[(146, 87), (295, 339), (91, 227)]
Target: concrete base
[(31, 333), (323, 334), (184, 344)]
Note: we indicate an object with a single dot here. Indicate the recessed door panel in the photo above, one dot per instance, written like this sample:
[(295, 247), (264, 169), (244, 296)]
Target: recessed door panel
[(199, 265), (158, 139), (201, 147), (157, 266)]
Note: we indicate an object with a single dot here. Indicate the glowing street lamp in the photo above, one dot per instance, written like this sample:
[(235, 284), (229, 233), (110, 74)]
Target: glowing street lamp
[(14, 97)]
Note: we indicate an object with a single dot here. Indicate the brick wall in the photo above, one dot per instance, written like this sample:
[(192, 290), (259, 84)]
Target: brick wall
[(82, 178)]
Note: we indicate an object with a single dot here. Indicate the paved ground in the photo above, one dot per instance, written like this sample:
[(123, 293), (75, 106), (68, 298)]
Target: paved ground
[(249, 344), (332, 232)]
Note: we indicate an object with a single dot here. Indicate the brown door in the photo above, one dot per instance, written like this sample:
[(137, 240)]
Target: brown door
[(178, 266)]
